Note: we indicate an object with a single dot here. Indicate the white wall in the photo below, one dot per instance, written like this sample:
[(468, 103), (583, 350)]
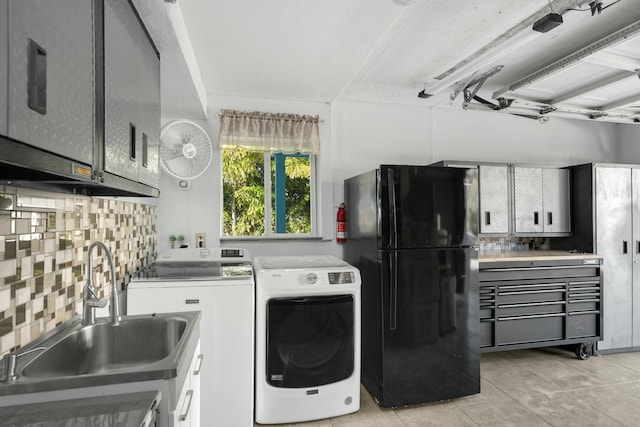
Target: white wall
[(198, 209), (358, 136), (499, 137), (629, 142)]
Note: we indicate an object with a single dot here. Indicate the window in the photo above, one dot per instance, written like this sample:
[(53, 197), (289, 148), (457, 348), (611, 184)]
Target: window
[(268, 176)]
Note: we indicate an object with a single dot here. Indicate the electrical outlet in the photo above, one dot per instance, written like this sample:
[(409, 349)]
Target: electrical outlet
[(201, 240)]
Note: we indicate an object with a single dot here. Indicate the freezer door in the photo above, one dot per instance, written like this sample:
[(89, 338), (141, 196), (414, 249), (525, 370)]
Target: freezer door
[(429, 325), (427, 206)]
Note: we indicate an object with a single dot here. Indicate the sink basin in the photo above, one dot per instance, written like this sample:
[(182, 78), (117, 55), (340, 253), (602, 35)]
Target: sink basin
[(103, 347)]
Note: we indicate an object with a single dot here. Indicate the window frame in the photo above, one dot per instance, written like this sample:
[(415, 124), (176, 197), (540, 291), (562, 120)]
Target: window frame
[(316, 232)]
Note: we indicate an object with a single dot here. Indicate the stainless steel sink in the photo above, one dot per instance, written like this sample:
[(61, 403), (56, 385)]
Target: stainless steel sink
[(138, 348), (104, 347)]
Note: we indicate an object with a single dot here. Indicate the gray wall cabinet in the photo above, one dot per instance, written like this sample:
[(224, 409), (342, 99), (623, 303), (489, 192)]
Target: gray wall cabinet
[(541, 200), (521, 200), (132, 96), (493, 182), (4, 64), (82, 91), (51, 86)]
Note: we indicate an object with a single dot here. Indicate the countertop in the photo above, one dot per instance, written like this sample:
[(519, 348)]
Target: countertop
[(541, 255), (121, 410)]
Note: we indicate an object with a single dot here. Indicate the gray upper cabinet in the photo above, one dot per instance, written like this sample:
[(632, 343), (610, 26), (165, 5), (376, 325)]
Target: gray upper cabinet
[(541, 200), (51, 81), (528, 200), (132, 96), (493, 183), (4, 63), (556, 191)]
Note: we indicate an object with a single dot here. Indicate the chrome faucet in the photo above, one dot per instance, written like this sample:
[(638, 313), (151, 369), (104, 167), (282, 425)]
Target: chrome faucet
[(89, 297)]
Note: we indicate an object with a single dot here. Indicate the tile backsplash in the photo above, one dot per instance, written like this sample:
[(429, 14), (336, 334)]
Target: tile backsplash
[(44, 239)]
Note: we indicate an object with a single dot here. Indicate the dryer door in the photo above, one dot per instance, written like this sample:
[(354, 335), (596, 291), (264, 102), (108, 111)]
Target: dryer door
[(310, 340)]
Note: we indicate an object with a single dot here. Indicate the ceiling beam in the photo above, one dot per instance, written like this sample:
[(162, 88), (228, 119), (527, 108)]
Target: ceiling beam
[(613, 60), (592, 87), (559, 65), (622, 102)]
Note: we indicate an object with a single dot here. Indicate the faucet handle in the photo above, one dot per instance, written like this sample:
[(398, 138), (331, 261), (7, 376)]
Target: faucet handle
[(93, 302), (92, 299)]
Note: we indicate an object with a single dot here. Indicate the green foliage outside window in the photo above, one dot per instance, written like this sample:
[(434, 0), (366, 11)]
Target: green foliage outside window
[(243, 194)]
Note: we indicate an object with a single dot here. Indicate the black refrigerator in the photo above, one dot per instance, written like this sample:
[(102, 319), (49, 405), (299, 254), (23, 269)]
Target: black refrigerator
[(413, 235)]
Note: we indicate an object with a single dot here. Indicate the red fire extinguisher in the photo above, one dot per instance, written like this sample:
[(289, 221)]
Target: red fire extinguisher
[(341, 231)]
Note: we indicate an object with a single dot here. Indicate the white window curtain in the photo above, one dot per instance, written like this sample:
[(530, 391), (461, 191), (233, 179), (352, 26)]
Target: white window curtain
[(268, 132)]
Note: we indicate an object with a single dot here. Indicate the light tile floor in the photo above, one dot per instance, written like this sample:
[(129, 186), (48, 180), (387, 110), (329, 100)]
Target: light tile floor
[(541, 387)]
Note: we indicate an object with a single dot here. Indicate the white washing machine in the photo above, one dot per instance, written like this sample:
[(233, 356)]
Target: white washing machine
[(307, 338), (218, 282)]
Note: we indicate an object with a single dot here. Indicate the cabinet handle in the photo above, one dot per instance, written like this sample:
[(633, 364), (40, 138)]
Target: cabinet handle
[(196, 370), (189, 398), (145, 150), (536, 219), (132, 141), (624, 247), (37, 78), (549, 218), (487, 218), (393, 291), (638, 246)]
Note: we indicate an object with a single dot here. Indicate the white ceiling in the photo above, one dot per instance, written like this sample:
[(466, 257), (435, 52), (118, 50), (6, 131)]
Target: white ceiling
[(377, 50)]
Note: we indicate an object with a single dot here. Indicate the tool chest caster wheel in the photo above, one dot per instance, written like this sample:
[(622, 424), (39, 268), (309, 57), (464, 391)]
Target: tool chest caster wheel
[(585, 350)]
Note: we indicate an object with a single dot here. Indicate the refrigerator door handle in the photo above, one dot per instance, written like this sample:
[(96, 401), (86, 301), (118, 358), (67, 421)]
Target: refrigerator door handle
[(393, 290), (393, 214)]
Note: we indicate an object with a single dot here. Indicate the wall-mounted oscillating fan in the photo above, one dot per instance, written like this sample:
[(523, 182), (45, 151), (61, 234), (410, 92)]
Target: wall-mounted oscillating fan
[(185, 149)]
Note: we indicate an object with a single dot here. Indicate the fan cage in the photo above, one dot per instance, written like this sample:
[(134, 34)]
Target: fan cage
[(173, 138)]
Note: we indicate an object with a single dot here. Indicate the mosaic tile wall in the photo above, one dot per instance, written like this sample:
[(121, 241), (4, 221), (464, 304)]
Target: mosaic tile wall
[(44, 240)]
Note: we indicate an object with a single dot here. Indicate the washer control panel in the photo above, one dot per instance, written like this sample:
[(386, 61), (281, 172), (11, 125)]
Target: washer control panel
[(341, 278)]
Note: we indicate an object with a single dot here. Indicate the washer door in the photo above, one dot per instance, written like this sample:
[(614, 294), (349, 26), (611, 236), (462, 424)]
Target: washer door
[(310, 340)]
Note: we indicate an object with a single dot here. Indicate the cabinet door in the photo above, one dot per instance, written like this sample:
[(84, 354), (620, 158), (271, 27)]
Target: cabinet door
[(494, 199), (4, 63), (51, 84), (556, 203), (132, 96), (196, 367), (635, 175), (528, 208), (122, 35), (613, 242), (149, 87), (187, 410)]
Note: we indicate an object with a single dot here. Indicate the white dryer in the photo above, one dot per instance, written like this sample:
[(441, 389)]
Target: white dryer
[(218, 282), (307, 338)]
